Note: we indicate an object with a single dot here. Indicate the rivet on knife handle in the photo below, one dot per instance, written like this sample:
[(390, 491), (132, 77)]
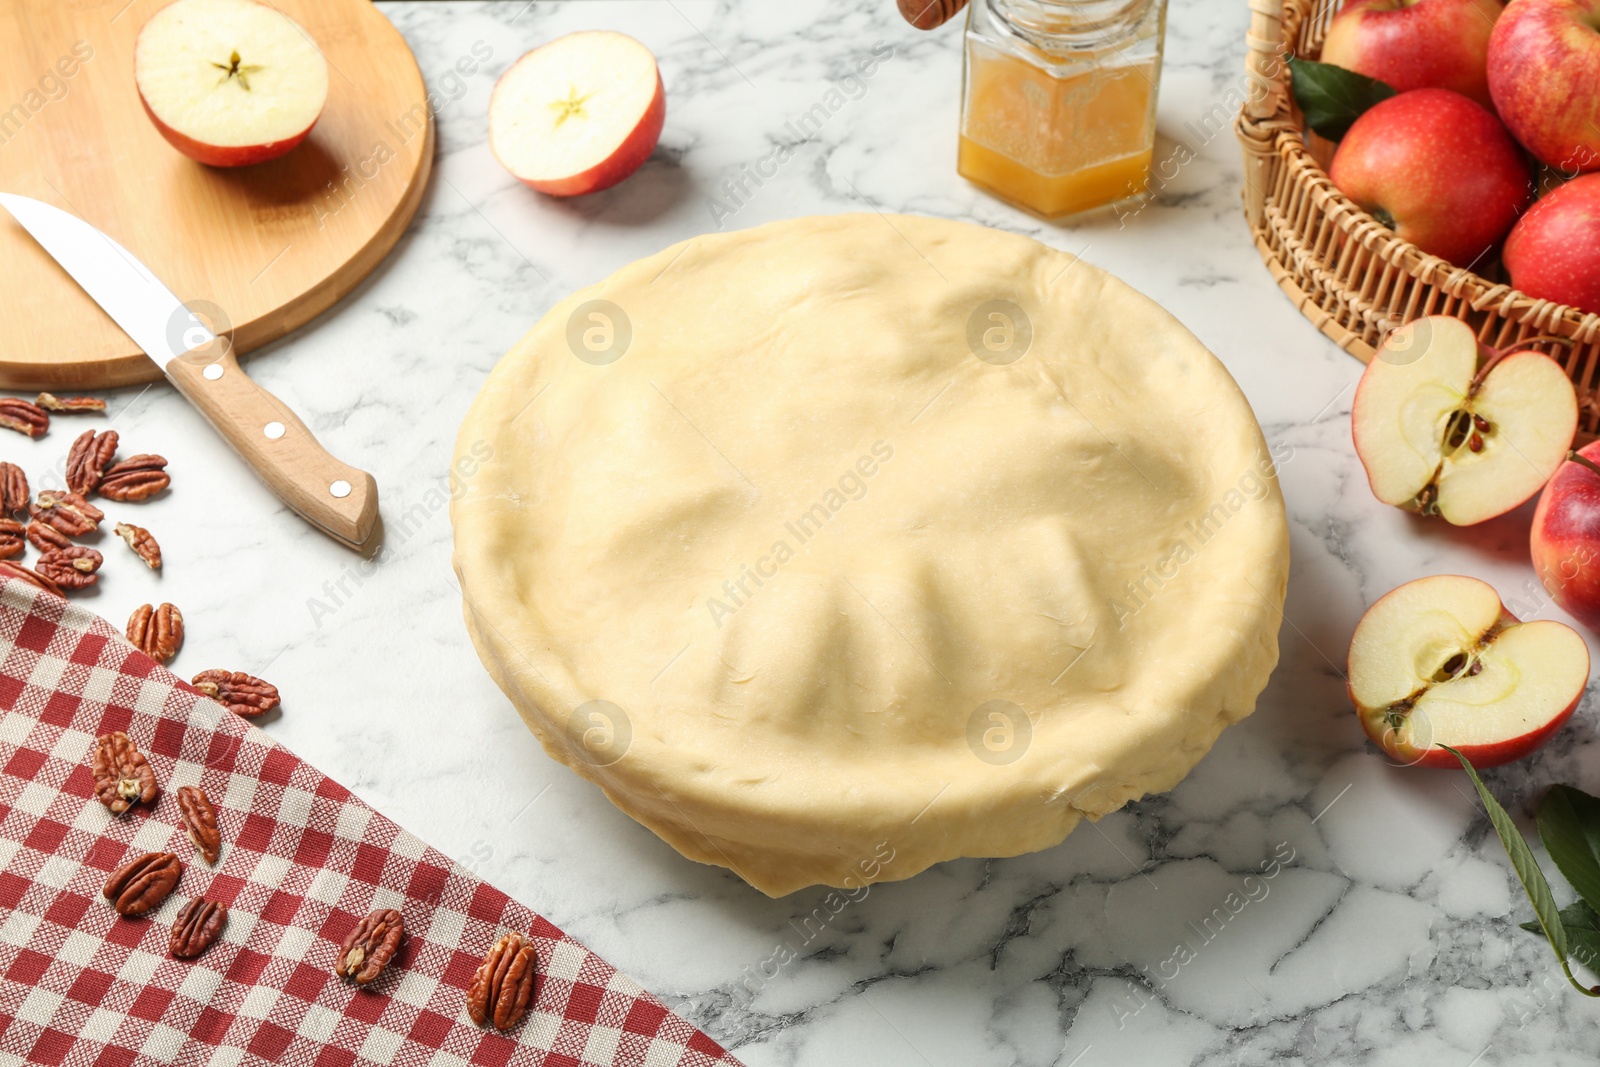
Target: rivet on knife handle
[(335, 496)]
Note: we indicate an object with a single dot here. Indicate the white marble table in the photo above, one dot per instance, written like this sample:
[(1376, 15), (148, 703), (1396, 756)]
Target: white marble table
[(1388, 932)]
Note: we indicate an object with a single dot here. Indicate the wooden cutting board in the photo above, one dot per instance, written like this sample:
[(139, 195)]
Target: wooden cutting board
[(263, 249)]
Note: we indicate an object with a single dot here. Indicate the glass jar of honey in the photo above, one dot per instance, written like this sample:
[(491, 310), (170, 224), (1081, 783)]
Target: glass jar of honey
[(1059, 100)]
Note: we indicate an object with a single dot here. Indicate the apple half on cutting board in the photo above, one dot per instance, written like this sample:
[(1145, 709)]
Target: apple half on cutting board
[(1440, 661), (579, 114), (229, 82)]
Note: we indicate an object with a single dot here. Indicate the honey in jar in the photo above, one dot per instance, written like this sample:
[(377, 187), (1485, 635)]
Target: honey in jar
[(1058, 106)]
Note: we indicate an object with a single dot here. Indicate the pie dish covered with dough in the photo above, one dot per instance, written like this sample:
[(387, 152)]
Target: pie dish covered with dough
[(841, 546)]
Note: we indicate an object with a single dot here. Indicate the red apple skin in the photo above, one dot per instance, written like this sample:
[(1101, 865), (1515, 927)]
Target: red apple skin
[(1416, 44), (1566, 539), (628, 157), (1553, 252), (1544, 75), (1441, 167), (1495, 755), (226, 155)]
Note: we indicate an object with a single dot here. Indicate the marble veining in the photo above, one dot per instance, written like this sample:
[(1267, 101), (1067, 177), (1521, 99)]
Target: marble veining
[(1295, 899)]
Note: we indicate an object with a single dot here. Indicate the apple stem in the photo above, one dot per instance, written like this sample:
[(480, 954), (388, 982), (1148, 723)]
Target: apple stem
[(1583, 461)]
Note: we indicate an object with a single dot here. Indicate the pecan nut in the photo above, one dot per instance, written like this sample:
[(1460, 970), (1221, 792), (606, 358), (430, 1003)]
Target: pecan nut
[(200, 821), (13, 569), (368, 948), (46, 538), (14, 492), (134, 479), (141, 884), (140, 540), (69, 405), (70, 568), (157, 632), (240, 693), (67, 511), (12, 544), (199, 923), (88, 459), (122, 776), (503, 986), (24, 417)]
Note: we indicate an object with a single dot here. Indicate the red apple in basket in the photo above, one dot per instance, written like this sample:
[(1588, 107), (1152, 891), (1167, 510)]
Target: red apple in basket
[(1440, 661), (1446, 427), (1416, 44), (1566, 537), (1438, 169), (579, 114), (1544, 74), (229, 82), (1553, 252)]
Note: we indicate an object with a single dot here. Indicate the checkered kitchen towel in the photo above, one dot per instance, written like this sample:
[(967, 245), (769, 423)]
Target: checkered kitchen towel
[(302, 862)]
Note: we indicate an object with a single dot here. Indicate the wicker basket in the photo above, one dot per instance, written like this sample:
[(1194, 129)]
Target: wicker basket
[(1345, 271)]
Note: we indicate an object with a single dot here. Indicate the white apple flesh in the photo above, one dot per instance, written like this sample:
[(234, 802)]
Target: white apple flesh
[(229, 82), (1444, 429), (1439, 661), (579, 114)]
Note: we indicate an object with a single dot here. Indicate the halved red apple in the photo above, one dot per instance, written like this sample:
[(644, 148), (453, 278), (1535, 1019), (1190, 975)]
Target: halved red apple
[(1440, 661), (1445, 426), (229, 82), (579, 114)]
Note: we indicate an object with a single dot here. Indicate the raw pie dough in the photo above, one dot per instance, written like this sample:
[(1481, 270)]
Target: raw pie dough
[(818, 594)]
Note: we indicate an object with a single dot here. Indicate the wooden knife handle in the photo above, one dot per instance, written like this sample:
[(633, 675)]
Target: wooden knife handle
[(334, 496)]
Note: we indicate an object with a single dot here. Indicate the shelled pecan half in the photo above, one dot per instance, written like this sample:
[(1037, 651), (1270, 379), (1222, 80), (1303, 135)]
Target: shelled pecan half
[(368, 948), (14, 494), (503, 985), (122, 776), (70, 568), (45, 538), (69, 405), (66, 511), (23, 416), (141, 884), (157, 632), (240, 693), (200, 821), (198, 924), (10, 568), (87, 460), (134, 479), (12, 543), (142, 542)]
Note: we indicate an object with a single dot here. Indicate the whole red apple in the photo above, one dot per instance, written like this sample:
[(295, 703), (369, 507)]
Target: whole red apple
[(1553, 252), (1544, 75), (1566, 538), (1437, 169), (1416, 44)]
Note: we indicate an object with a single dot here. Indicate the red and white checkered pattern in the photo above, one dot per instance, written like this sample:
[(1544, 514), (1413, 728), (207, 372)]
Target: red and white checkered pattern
[(302, 862)]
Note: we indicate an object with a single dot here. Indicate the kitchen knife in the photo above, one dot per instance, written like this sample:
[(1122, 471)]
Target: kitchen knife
[(336, 498)]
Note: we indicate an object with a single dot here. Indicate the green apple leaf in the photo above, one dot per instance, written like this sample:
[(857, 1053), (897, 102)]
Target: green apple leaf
[(1582, 924), (1569, 826), (1331, 97), (1528, 873)]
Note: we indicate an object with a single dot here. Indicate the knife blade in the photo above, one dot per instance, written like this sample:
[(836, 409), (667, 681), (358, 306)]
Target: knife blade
[(335, 497), (124, 287)]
